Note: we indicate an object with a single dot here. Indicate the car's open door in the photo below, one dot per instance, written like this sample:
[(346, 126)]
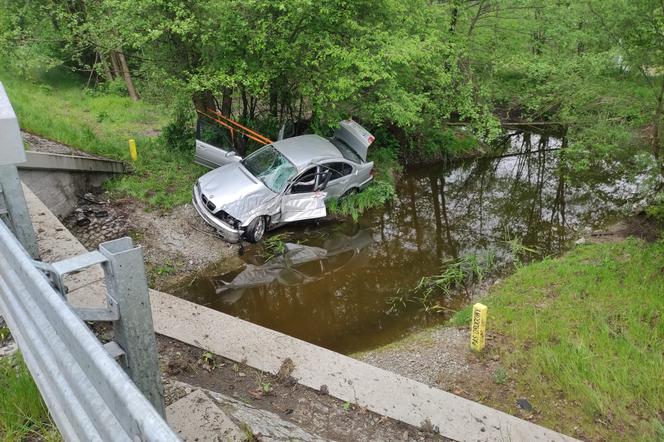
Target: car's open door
[(216, 134), (301, 206), (210, 142)]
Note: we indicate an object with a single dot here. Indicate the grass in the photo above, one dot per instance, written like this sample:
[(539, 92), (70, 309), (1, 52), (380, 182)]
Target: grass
[(23, 415), (57, 106), (584, 337), (381, 191)]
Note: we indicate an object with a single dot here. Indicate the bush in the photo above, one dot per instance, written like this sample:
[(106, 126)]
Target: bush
[(179, 134)]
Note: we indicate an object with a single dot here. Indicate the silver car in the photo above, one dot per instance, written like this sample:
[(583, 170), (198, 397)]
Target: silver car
[(285, 181)]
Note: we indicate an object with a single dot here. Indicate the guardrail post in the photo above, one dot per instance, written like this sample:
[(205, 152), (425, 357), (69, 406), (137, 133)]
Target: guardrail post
[(134, 331)]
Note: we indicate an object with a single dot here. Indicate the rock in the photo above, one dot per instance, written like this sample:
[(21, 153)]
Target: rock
[(82, 220), (580, 241), (196, 417), (524, 405)]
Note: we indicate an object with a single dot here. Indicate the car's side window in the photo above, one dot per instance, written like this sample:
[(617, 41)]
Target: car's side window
[(339, 170), (212, 134), (306, 183)]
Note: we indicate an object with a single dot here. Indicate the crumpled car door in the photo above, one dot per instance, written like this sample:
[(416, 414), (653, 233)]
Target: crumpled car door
[(301, 206)]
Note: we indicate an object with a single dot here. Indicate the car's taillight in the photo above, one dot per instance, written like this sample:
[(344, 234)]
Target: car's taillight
[(371, 172)]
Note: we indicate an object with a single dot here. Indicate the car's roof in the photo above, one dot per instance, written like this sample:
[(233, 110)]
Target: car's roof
[(305, 149)]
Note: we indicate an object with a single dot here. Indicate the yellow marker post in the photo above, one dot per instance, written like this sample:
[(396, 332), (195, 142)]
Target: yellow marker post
[(132, 150), (478, 327)]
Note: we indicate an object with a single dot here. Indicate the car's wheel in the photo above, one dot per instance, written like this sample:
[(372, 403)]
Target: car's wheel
[(256, 229)]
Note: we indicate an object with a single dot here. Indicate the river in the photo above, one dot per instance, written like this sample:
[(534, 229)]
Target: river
[(344, 285)]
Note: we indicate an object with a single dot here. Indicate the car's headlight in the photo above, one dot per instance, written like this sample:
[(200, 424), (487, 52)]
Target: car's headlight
[(225, 217)]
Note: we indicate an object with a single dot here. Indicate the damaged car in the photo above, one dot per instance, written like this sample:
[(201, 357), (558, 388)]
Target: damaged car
[(284, 181)]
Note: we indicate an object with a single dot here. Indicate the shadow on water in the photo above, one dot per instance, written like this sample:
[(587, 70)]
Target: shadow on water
[(332, 283)]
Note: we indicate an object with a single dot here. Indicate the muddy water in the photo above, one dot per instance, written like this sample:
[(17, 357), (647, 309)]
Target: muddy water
[(337, 284)]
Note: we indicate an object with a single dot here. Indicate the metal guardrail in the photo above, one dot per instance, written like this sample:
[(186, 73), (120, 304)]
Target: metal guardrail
[(88, 394)]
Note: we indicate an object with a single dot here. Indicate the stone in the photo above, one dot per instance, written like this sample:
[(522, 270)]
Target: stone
[(196, 417), (524, 405)]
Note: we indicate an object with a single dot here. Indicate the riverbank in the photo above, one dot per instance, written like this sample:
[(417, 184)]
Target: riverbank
[(574, 343)]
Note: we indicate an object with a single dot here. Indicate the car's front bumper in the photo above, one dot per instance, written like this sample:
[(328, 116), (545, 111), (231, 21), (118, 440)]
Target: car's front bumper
[(227, 232)]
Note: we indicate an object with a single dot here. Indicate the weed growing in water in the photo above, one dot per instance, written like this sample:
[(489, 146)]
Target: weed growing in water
[(274, 245), (520, 252), (455, 274)]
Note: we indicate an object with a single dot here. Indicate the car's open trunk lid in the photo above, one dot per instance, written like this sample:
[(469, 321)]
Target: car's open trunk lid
[(355, 136)]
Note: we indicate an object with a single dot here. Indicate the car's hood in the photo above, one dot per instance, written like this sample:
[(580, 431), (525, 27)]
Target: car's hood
[(234, 190)]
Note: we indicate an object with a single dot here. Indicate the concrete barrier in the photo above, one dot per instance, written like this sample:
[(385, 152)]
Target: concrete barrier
[(58, 179)]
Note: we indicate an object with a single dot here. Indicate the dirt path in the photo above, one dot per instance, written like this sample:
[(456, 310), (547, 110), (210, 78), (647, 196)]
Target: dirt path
[(441, 357)]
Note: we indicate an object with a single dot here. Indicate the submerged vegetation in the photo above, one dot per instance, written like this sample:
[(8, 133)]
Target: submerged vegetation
[(455, 275)]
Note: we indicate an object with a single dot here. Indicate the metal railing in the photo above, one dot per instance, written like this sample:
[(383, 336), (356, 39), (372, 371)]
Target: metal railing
[(89, 395)]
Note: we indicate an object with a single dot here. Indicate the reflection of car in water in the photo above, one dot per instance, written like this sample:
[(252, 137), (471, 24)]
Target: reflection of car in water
[(285, 181), (299, 264)]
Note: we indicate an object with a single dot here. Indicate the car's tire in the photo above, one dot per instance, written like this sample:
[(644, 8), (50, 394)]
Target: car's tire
[(256, 229)]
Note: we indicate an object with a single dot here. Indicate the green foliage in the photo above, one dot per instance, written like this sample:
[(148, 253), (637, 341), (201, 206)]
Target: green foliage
[(520, 252), (404, 69), (376, 195), (656, 209), (23, 414), (500, 376), (462, 317), (179, 133)]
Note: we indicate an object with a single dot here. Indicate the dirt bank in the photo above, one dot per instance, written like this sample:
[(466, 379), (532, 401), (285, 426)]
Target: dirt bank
[(175, 244), (311, 410)]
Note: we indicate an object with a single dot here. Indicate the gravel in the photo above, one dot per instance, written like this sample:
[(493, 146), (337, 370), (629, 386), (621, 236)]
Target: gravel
[(434, 357)]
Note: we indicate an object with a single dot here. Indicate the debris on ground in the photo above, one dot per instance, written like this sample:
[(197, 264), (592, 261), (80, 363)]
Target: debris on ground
[(296, 409)]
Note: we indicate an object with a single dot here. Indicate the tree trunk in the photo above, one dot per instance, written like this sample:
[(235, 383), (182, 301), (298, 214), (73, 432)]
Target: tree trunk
[(657, 122), (114, 65), (204, 100), (227, 101), (107, 70), (133, 93)]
